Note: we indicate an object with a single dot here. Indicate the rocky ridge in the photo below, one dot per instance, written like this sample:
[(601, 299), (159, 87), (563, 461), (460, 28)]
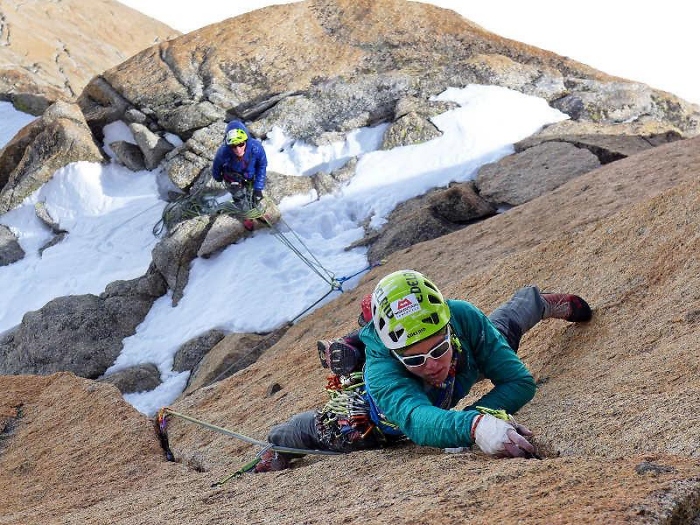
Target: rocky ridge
[(49, 50)]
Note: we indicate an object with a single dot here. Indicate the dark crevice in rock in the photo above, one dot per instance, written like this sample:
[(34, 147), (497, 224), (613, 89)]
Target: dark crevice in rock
[(255, 108), (9, 424), (164, 56), (604, 155)]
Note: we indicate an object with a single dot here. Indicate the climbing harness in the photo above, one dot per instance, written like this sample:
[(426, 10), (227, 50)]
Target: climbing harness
[(161, 426)]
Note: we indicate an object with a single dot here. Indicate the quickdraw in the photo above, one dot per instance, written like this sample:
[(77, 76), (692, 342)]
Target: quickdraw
[(345, 419)]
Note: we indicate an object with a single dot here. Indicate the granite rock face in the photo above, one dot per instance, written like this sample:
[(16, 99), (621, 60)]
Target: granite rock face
[(604, 204), (50, 50)]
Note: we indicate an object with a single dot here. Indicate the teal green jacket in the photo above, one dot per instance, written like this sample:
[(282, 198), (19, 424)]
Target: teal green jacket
[(408, 402)]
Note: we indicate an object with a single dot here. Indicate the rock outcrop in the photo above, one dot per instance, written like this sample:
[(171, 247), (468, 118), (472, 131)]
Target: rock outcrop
[(60, 136), (340, 77), (82, 334), (610, 414), (10, 250), (50, 50)]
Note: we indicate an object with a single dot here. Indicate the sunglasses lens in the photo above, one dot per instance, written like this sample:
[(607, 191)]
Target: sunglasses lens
[(413, 360), (440, 350)]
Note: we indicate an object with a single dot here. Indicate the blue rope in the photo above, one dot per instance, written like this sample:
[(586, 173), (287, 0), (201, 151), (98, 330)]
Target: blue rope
[(341, 280), (337, 284)]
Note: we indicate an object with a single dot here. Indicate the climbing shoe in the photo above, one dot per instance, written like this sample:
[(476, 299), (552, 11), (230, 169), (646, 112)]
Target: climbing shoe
[(340, 356), (271, 461), (569, 307), (344, 358)]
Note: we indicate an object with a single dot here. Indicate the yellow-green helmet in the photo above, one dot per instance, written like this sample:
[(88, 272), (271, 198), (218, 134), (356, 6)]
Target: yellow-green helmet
[(236, 136), (407, 308)]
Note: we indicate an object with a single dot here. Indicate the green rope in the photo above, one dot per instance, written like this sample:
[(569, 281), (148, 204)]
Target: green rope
[(245, 468), (201, 202), (161, 429), (253, 441), (311, 261)]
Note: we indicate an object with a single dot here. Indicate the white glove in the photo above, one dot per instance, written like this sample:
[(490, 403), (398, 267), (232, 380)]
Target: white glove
[(501, 438)]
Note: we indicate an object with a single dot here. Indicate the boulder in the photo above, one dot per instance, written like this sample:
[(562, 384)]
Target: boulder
[(173, 255), (128, 154), (433, 215), (233, 353), (608, 148), (82, 334), (519, 178), (30, 159), (45, 217), (409, 129), (191, 353), (225, 230), (138, 378), (153, 147)]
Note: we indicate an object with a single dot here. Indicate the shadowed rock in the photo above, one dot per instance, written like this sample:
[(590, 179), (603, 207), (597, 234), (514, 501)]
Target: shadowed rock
[(139, 378), (43, 146), (82, 334), (518, 178), (10, 249)]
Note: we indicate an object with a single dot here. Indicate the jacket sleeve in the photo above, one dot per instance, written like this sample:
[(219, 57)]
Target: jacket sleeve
[(401, 397), (217, 166), (260, 175), (514, 386)]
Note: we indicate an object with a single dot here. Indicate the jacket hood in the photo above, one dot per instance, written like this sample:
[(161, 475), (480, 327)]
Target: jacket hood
[(236, 124)]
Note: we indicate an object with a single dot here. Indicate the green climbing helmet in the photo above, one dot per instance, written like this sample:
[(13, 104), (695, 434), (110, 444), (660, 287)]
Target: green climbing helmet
[(236, 136), (407, 308)]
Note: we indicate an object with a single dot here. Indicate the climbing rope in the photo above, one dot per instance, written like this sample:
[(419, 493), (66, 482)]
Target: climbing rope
[(310, 260), (161, 425), (204, 202), (338, 288)]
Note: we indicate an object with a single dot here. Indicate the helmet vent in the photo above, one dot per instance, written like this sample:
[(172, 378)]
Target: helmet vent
[(434, 299), (433, 318), (430, 285), (396, 334)]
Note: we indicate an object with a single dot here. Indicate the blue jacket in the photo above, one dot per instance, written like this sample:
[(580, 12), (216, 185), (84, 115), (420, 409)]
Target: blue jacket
[(253, 164), (408, 402)]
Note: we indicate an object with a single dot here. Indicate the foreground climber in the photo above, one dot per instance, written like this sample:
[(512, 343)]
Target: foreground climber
[(422, 354)]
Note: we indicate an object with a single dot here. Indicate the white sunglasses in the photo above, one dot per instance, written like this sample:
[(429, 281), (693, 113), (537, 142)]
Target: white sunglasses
[(436, 352)]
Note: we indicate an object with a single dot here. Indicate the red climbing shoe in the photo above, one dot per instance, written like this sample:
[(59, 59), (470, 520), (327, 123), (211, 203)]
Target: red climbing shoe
[(569, 307)]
